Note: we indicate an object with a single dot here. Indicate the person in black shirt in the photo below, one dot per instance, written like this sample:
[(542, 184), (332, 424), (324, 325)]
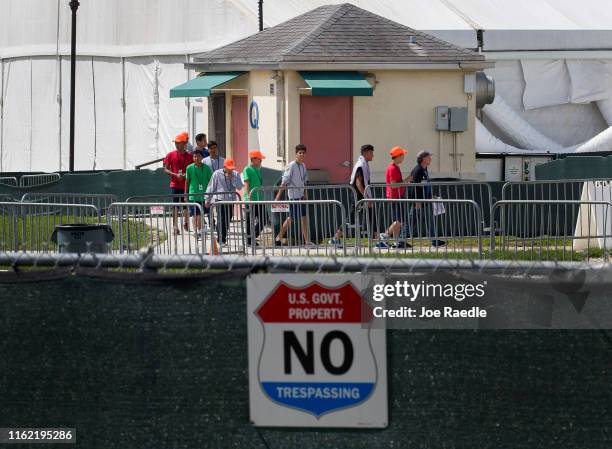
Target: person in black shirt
[(420, 175)]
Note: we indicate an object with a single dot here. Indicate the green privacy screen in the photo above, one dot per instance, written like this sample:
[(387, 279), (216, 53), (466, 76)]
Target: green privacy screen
[(137, 360)]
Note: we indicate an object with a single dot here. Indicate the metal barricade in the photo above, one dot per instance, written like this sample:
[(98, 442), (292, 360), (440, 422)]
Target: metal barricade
[(551, 190), (163, 228), (441, 228), (168, 198), (6, 198), (101, 200), (560, 230), (344, 193), (273, 228), (8, 181), (477, 191), (28, 226), (38, 180)]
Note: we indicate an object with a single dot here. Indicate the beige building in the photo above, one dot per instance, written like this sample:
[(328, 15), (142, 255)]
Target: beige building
[(334, 79)]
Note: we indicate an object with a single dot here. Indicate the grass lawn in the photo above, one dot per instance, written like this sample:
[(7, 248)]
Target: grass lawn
[(34, 234)]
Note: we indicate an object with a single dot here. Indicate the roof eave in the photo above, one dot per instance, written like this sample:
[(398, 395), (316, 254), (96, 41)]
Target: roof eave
[(332, 65)]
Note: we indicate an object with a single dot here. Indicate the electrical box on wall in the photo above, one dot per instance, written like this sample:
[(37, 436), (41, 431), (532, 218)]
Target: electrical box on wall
[(442, 118), (458, 119)]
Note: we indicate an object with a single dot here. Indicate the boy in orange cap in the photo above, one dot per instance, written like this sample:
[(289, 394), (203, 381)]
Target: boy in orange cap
[(225, 180), (175, 166), (251, 175), (394, 176)]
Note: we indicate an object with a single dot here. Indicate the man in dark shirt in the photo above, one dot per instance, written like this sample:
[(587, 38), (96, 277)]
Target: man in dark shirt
[(420, 175)]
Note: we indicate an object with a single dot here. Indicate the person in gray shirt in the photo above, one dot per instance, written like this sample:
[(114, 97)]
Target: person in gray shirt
[(293, 181), (227, 180), (214, 161)]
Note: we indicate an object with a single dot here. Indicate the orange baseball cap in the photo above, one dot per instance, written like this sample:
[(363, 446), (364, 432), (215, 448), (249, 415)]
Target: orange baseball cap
[(397, 151), (229, 164), (256, 154), (182, 137)]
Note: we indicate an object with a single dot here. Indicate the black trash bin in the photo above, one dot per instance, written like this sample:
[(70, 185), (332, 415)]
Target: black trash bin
[(83, 238)]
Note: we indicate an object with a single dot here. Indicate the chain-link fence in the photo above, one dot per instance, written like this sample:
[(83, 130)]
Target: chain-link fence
[(133, 358)]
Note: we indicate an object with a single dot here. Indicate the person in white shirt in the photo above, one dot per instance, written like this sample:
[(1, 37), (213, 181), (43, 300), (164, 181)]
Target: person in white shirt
[(294, 180), (214, 161), (360, 180), (228, 180)]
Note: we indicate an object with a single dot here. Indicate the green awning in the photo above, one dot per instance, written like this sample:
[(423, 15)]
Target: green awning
[(327, 84), (203, 84)]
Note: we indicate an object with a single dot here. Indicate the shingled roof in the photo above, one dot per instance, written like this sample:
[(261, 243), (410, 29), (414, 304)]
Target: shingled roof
[(338, 34)]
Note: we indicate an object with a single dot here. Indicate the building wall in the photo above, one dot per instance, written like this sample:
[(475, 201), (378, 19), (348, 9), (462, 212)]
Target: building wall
[(401, 112), (264, 138), (293, 82)]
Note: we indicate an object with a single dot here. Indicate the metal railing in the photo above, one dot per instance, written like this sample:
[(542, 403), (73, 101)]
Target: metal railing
[(8, 181), (344, 193), (6, 198), (102, 201), (529, 229), (178, 197), (163, 228), (38, 180), (28, 226), (477, 191), (563, 189), (289, 227), (419, 227), (552, 229)]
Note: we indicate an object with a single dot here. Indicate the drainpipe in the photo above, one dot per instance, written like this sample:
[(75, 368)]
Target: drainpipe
[(280, 114)]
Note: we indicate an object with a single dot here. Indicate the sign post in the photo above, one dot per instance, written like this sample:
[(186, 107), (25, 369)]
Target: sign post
[(314, 360)]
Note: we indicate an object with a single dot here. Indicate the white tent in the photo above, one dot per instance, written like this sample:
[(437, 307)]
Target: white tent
[(131, 53)]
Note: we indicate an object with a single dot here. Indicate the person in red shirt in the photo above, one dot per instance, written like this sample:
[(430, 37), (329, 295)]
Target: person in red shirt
[(175, 166), (394, 176)]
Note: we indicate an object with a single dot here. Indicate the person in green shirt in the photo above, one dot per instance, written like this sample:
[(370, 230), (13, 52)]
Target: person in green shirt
[(196, 180), (255, 215)]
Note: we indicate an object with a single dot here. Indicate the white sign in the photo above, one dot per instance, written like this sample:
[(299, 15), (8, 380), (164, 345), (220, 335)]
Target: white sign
[(594, 220), (314, 360), (280, 208), (157, 210)]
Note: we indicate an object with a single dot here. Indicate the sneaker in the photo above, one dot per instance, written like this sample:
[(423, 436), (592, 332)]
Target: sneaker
[(437, 243), (197, 235), (401, 245), (381, 245), (334, 242), (278, 243), (384, 236), (310, 244)]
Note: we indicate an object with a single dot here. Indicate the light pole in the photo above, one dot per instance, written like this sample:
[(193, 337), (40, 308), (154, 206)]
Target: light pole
[(74, 5)]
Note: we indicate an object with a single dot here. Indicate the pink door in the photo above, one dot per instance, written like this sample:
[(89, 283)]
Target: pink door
[(240, 130), (326, 128)]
